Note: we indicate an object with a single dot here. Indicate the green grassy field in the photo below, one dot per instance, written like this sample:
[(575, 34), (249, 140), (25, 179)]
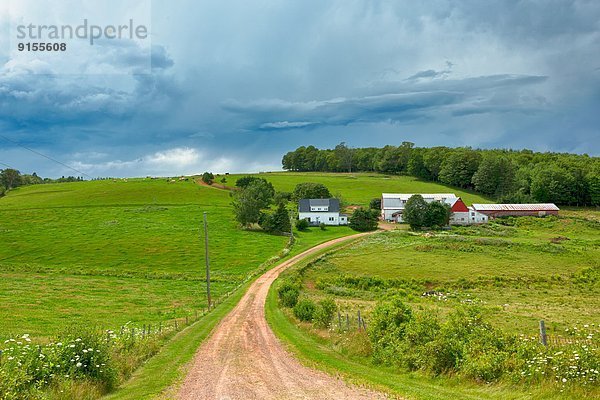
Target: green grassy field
[(359, 188), (517, 272), (109, 252)]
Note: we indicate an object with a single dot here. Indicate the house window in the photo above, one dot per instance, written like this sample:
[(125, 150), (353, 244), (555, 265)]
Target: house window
[(331, 218), (472, 214)]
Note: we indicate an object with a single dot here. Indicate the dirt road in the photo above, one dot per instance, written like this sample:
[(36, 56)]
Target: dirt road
[(244, 360)]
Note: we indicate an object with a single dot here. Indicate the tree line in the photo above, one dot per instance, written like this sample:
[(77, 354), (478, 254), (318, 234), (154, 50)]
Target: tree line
[(509, 176), (11, 179)]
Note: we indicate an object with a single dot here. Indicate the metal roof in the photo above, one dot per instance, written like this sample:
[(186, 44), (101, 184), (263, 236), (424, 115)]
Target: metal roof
[(395, 200), (516, 207), (304, 205)]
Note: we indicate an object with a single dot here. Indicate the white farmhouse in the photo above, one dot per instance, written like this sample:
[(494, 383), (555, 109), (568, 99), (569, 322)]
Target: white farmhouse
[(321, 211)]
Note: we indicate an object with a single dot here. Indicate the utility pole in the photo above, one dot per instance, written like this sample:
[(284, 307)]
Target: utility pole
[(207, 260)]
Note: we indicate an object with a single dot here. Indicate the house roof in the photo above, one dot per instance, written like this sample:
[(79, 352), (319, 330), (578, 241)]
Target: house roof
[(516, 207), (304, 205), (394, 200)]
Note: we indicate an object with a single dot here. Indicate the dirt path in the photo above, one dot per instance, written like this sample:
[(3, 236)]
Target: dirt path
[(244, 360)]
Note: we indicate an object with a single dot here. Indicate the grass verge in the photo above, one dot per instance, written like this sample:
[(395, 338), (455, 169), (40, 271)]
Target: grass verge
[(316, 352)]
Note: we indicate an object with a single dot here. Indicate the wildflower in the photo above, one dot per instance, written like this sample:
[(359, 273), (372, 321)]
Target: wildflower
[(564, 380), (78, 365)]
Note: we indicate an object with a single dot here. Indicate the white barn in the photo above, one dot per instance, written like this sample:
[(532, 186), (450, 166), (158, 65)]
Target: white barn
[(393, 204), (321, 211)]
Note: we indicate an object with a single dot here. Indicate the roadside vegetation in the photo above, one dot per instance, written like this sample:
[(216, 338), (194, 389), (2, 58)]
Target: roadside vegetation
[(118, 265), (437, 310)]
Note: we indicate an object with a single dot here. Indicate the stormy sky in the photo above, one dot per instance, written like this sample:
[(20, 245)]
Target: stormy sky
[(231, 85)]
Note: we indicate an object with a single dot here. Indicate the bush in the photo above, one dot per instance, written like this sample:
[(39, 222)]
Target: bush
[(364, 220), (208, 178), (324, 313), (302, 224), (310, 190), (276, 222), (386, 330), (304, 310), (375, 204), (282, 197), (322, 226), (288, 294), (2, 190)]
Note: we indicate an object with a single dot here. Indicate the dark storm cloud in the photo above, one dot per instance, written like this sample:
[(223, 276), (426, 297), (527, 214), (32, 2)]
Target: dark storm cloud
[(233, 84)]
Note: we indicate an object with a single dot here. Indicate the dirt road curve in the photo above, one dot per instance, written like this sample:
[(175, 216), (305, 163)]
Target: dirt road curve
[(243, 359)]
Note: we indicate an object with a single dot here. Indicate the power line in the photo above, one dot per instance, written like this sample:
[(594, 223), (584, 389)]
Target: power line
[(6, 165), (45, 156)]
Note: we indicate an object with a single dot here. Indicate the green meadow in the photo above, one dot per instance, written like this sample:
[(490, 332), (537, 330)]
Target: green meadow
[(108, 252), (519, 271), (515, 271), (359, 188), (104, 253)]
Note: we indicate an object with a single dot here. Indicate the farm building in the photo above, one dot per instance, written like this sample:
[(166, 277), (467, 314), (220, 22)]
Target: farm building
[(392, 207), (467, 216), (321, 211), (516, 210)]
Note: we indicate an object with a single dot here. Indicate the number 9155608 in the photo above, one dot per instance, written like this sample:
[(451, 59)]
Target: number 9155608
[(42, 47)]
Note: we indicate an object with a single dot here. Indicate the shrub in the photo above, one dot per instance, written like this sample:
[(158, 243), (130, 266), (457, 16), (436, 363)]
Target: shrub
[(304, 310), (282, 197), (2, 190), (277, 221), (288, 294), (322, 226), (302, 224), (310, 190), (375, 204), (364, 220), (324, 313), (208, 178), (387, 328)]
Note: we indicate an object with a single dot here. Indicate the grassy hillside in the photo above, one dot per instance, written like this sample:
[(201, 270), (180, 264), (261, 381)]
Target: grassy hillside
[(109, 252), (360, 188), (516, 272)]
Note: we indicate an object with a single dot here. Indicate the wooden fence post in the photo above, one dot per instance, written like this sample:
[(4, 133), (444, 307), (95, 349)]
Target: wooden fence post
[(359, 322), (340, 320), (543, 336), (347, 322), (160, 327)]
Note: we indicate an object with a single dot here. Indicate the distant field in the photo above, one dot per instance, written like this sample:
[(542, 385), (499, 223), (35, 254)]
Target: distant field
[(519, 273), (359, 188), (106, 253)]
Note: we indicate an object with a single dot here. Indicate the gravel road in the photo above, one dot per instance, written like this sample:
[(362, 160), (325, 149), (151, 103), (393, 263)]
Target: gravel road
[(243, 359)]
